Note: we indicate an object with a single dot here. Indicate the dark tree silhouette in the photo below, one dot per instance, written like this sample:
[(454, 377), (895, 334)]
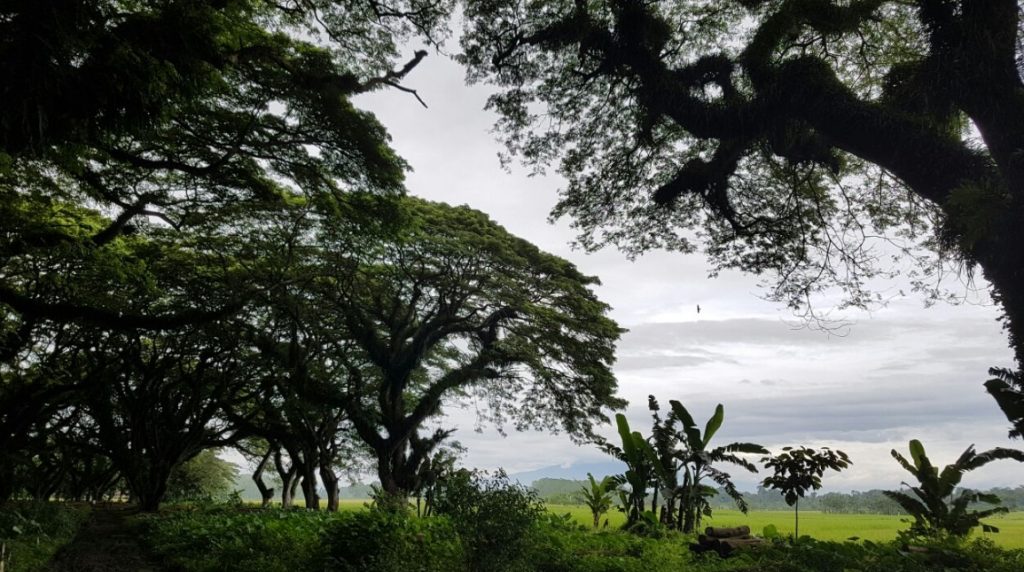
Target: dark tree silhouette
[(451, 305), (783, 136)]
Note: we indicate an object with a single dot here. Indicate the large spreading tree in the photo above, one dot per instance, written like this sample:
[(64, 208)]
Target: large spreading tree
[(806, 139), (176, 115), (442, 306)]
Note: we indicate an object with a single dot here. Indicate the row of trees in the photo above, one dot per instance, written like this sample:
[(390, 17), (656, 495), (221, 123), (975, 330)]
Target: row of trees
[(356, 337), (206, 242)]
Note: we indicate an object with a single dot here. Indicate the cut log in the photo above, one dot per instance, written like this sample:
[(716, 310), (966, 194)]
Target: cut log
[(727, 532), (727, 546)]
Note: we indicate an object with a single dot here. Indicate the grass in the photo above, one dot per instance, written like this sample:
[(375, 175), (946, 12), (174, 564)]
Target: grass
[(820, 525)]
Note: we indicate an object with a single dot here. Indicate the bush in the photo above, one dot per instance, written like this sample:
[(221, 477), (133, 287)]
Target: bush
[(393, 542), (494, 517), (33, 532), (228, 539)]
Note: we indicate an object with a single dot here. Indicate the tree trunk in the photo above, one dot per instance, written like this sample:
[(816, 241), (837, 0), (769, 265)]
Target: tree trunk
[(330, 481), (288, 480), (310, 496), (266, 493), (796, 519), (151, 494)]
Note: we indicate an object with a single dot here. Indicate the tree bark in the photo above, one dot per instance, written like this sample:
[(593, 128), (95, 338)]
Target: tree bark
[(266, 493), (330, 480), (288, 480)]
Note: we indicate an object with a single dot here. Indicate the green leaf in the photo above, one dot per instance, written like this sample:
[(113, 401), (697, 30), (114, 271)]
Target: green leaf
[(917, 454), (714, 424)]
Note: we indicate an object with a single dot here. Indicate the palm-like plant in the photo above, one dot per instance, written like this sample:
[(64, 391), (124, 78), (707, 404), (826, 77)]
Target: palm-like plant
[(936, 505), (697, 458), (597, 495), (639, 458)]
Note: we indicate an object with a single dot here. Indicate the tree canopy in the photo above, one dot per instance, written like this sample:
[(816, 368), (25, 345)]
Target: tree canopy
[(440, 304), (806, 140), (127, 120)]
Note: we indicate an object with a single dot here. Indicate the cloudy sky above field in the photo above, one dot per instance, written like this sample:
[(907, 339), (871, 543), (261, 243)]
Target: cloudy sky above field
[(901, 372)]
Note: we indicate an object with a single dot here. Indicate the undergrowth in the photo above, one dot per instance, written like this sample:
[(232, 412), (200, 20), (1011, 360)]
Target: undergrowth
[(31, 532)]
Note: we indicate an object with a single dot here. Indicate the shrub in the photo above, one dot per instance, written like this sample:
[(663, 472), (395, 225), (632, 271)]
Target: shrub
[(227, 539), (385, 541), (32, 532), (493, 515)]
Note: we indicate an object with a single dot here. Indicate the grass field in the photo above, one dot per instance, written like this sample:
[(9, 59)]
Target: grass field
[(820, 525)]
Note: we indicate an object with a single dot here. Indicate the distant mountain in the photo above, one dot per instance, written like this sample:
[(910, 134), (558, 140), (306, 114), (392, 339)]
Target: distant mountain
[(573, 472)]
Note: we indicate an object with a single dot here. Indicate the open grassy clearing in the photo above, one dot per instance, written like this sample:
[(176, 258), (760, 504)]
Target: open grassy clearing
[(820, 525)]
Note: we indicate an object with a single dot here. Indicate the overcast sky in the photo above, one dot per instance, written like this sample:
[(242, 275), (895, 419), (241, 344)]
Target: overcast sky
[(901, 372)]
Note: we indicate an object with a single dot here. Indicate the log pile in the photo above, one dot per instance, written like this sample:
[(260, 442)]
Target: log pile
[(725, 540)]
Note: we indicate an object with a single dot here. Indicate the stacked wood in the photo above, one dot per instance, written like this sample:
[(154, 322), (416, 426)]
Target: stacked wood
[(725, 540)]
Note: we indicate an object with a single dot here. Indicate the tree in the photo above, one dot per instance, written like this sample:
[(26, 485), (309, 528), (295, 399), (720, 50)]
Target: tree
[(597, 495), (780, 135), (696, 460), (937, 505), (157, 402), (205, 476), (450, 305), (180, 115), (798, 470)]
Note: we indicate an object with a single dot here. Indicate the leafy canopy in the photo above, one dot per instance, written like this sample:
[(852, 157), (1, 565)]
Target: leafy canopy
[(806, 141)]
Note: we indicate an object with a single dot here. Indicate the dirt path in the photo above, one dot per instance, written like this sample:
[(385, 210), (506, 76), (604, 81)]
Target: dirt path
[(106, 543)]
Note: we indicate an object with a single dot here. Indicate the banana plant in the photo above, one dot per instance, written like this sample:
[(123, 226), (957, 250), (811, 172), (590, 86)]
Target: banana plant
[(936, 504), (665, 443), (697, 458), (597, 495), (639, 457)]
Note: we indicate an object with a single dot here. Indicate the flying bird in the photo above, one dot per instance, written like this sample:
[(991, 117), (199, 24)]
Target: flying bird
[(698, 308)]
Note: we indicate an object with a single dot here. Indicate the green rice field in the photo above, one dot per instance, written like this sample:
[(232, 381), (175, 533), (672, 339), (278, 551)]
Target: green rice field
[(821, 525)]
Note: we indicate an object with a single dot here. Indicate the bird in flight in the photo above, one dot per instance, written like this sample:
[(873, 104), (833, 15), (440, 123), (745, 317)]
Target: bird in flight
[(698, 308)]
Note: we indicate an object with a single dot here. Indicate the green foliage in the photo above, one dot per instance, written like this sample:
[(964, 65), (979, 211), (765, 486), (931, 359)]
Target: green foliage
[(598, 496), (697, 459), (937, 504), (203, 477), (560, 546), (215, 539), (301, 541), (811, 555), (702, 126), (1007, 387), (387, 541), (493, 516), (33, 531), (640, 459), (799, 470)]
